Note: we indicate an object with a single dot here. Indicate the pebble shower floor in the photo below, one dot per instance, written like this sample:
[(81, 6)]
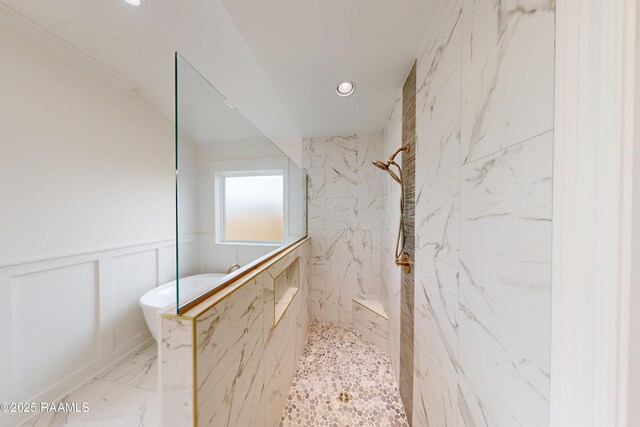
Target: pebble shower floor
[(337, 360)]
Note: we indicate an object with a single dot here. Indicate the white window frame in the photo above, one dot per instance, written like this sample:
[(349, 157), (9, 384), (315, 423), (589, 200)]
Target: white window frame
[(263, 167)]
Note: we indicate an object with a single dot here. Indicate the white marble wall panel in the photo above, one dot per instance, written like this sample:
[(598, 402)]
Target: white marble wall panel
[(341, 164), (438, 104), (438, 174), (176, 370), (483, 216), (368, 249), (301, 305), (229, 343), (505, 285), (317, 201), (508, 74), (284, 341), (341, 232), (345, 221), (437, 293), (342, 278), (313, 153), (279, 365), (373, 326), (369, 182), (435, 382), (318, 274)]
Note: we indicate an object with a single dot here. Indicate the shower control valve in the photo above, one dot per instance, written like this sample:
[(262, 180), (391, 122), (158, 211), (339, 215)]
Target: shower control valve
[(405, 262)]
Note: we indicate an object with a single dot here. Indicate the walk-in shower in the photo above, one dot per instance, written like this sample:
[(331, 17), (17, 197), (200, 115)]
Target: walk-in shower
[(402, 259)]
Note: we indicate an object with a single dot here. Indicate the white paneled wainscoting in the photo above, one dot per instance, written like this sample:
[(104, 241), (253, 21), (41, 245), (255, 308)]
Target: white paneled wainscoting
[(66, 318)]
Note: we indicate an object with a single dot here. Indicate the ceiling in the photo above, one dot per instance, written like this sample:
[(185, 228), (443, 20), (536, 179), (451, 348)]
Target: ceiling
[(205, 116), (278, 61), (306, 47)]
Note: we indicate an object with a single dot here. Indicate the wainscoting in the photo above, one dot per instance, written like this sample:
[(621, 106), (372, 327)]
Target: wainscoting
[(66, 318)]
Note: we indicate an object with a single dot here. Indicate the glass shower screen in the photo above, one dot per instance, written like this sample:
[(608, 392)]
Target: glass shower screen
[(239, 199)]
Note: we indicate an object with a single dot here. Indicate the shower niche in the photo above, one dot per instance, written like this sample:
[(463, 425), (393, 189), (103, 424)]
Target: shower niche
[(286, 286), (239, 199)]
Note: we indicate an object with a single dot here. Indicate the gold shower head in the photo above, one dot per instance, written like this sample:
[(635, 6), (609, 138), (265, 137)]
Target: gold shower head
[(391, 161), (379, 164)]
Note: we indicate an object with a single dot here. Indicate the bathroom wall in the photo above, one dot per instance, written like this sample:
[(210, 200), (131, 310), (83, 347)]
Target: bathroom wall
[(87, 184), (344, 223), (244, 361), (484, 127)]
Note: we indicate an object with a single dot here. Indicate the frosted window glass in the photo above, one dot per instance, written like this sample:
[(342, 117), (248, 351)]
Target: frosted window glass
[(253, 208)]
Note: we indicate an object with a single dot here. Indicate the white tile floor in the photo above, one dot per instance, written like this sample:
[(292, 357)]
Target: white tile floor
[(124, 396)]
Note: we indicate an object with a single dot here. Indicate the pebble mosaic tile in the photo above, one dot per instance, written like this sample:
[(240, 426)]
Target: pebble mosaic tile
[(342, 380)]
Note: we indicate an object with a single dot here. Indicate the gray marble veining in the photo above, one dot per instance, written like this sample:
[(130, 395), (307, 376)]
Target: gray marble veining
[(345, 204), (508, 74)]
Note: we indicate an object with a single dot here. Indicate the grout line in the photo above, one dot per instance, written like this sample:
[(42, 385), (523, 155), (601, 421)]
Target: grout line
[(508, 147), (359, 301)]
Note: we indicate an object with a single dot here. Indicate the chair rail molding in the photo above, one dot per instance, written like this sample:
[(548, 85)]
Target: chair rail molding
[(595, 51)]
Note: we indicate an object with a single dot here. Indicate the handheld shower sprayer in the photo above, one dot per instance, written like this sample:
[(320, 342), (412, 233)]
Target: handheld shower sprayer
[(402, 258)]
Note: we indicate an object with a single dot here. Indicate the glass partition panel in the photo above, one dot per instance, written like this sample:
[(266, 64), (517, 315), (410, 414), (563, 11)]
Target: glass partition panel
[(239, 199)]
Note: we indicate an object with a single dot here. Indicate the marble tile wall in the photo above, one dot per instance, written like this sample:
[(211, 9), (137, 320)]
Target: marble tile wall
[(244, 361), (344, 223), (438, 99), (483, 216), (371, 324)]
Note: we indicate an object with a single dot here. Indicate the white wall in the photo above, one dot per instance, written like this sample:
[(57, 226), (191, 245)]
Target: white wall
[(87, 214), (83, 166)]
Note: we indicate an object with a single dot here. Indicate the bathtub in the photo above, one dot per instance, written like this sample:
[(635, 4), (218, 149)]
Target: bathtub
[(158, 300)]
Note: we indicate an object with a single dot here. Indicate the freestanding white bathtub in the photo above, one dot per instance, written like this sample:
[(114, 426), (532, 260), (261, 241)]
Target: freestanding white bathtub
[(158, 300)]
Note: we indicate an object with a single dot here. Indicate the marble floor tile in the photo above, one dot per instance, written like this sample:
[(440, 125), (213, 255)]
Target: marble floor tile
[(125, 396), (335, 360), (140, 369)]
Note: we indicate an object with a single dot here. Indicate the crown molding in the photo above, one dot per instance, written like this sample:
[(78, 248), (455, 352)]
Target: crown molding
[(50, 40)]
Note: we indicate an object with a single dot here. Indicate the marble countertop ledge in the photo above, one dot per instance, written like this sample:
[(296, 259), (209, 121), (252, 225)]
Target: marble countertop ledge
[(219, 296)]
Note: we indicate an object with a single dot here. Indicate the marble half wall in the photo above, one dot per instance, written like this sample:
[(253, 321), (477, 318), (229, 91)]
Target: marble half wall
[(227, 361)]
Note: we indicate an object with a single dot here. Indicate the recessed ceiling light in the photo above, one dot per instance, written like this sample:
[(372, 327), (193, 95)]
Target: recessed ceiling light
[(345, 88), (134, 2)]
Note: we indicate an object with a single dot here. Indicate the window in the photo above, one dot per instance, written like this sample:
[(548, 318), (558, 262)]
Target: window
[(252, 207)]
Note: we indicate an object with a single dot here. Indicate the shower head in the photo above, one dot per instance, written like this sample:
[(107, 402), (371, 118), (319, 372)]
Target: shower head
[(391, 161), (385, 167), (379, 164)]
